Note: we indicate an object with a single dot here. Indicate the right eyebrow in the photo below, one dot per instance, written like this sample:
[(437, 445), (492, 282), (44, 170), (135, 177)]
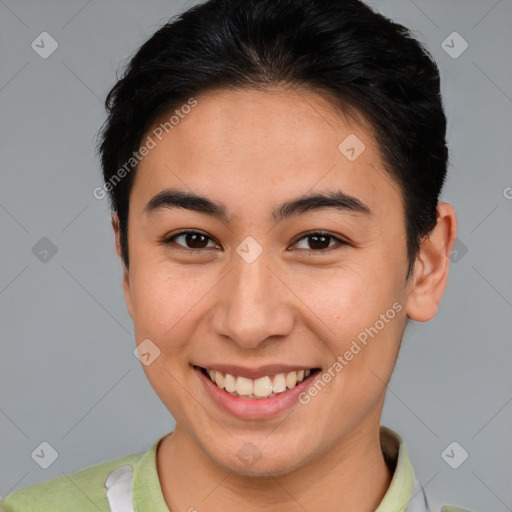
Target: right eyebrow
[(174, 198)]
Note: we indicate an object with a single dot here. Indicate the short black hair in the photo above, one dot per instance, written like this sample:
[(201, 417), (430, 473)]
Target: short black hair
[(360, 59)]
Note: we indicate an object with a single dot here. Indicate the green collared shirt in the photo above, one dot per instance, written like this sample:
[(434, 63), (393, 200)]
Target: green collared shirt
[(131, 484)]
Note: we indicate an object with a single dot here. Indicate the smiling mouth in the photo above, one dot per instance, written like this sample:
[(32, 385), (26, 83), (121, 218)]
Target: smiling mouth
[(265, 387)]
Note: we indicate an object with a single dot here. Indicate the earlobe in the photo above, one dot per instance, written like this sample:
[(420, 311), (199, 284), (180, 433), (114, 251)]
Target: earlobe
[(431, 268), (126, 278)]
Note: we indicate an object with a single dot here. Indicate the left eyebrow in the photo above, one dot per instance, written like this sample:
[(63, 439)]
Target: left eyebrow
[(331, 199), (175, 198)]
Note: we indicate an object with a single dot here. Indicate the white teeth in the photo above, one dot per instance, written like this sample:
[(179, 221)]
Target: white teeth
[(291, 380), (279, 383), (219, 379), (244, 386), (230, 383), (262, 386), (257, 388)]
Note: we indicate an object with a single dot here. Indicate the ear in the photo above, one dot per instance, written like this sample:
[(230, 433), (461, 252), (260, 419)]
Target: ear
[(126, 276), (430, 275)]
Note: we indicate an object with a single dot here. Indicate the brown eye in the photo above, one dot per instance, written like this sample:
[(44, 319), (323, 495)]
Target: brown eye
[(196, 241), (190, 240), (319, 241)]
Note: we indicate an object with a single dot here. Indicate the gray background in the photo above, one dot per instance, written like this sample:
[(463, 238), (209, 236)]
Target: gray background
[(68, 375)]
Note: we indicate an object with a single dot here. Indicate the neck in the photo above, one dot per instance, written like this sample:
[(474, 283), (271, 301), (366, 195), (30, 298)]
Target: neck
[(351, 475)]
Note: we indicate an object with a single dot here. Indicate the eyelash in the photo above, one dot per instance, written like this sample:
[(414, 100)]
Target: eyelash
[(170, 239)]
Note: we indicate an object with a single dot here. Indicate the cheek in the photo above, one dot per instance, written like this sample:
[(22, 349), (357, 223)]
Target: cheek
[(362, 316), (348, 298), (166, 307), (364, 320), (166, 302)]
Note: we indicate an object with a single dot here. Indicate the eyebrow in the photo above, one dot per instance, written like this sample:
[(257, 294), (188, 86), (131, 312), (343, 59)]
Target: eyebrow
[(173, 198)]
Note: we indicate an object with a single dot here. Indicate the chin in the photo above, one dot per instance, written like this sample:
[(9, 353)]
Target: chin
[(259, 462)]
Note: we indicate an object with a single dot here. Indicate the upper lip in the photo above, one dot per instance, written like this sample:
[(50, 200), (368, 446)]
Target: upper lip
[(255, 373)]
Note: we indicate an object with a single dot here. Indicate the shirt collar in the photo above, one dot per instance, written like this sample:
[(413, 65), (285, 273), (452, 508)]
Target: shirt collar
[(143, 492), (404, 493)]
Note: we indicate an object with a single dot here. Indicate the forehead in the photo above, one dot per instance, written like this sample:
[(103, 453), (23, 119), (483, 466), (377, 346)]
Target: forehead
[(266, 144), (250, 118)]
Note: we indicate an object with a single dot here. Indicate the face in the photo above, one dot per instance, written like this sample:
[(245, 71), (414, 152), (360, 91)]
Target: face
[(237, 283)]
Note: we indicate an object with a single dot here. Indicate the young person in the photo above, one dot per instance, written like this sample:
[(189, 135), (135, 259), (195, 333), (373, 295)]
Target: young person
[(274, 170)]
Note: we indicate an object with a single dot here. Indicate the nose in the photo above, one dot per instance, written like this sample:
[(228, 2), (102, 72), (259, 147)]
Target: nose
[(254, 305)]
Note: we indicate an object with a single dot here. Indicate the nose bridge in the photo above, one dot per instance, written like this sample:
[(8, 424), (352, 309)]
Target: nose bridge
[(253, 304), (251, 285)]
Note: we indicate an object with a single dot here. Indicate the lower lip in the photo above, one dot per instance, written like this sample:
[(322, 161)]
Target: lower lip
[(257, 408)]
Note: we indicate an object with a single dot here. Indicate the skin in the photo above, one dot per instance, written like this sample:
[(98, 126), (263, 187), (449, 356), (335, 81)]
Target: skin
[(253, 150)]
